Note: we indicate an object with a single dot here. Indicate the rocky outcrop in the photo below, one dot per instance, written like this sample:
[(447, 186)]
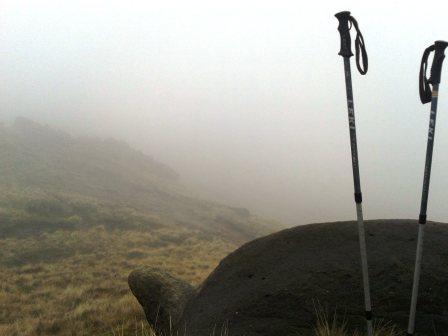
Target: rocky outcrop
[(162, 297), (272, 285)]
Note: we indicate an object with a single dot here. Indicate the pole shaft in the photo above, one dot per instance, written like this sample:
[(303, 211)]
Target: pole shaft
[(358, 195), (429, 151), (352, 127), (423, 208)]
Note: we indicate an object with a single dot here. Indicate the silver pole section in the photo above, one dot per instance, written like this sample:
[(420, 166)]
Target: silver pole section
[(418, 264), (365, 268)]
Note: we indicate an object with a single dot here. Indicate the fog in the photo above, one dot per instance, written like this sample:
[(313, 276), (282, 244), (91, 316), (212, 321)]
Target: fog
[(245, 100)]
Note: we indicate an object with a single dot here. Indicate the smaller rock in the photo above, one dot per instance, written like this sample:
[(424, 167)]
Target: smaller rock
[(162, 296)]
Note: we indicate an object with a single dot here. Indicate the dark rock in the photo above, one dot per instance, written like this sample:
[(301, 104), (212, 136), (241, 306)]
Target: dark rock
[(271, 285), (162, 296)]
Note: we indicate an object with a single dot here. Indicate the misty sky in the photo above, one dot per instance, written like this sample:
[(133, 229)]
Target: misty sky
[(245, 99)]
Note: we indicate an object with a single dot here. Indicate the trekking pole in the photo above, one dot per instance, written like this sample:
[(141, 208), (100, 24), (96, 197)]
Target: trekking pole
[(426, 96), (346, 22)]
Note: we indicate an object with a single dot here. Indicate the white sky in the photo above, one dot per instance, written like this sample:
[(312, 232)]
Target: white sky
[(245, 99)]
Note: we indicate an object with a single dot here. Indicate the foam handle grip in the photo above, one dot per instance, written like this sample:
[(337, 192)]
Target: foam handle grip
[(439, 56), (344, 31)]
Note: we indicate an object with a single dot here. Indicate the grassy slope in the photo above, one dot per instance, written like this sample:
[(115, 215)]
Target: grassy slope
[(74, 283), (40, 160), (76, 215)]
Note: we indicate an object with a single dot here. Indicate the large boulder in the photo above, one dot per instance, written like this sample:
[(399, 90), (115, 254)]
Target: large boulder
[(162, 296), (272, 285)]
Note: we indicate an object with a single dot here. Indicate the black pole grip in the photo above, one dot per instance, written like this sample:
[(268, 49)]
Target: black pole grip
[(344, 31), (439, 56)]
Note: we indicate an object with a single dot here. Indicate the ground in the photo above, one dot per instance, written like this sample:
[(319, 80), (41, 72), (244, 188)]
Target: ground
[(75, 283)]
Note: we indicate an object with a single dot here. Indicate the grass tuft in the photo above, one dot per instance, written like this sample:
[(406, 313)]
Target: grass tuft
[(334, 326)]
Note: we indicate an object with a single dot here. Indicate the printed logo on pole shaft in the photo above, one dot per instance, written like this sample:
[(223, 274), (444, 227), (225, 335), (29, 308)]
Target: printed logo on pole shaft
[(432, 124), (351, 115)]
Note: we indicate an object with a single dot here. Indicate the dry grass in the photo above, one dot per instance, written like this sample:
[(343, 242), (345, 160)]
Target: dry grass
[(334, 326), (326, 326), (85, 292), (139, 330)]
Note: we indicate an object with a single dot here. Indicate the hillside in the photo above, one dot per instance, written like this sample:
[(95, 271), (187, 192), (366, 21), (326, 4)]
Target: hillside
[(78, 214), (48, 172)]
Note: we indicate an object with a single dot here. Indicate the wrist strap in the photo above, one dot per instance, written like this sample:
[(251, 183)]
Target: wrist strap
[(360, 49)]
